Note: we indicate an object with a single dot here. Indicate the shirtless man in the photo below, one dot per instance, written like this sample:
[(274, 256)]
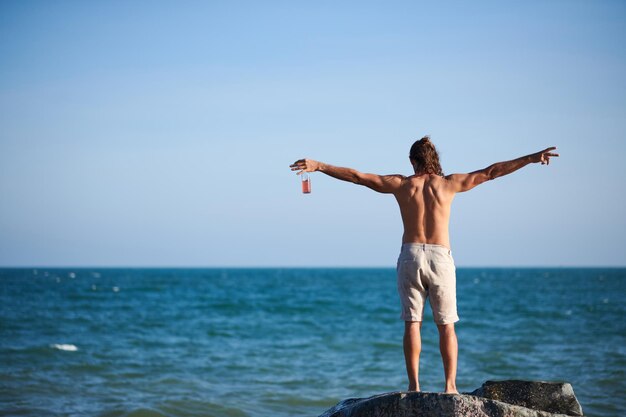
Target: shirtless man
[(425, 265)]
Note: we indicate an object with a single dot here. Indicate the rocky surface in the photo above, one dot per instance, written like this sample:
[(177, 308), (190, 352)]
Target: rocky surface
[(554, 397), (493, 399)]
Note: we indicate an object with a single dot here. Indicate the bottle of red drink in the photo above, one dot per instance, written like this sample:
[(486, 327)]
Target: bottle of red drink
[(306, 183)]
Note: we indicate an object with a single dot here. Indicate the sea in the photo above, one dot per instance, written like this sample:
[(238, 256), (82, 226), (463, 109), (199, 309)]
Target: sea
[(291, 342)]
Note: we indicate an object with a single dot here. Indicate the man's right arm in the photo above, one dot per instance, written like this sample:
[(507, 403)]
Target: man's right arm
[(379, 183), (465, 182)]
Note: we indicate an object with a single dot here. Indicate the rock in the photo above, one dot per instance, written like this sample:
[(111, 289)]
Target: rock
[(554, 397), (493, 399)]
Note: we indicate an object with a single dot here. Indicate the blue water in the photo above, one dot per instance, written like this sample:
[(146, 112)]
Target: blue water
[(290, 342)]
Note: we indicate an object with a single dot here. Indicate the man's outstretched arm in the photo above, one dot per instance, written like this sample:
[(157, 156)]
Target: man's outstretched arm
[(380, 183), (465, 182)]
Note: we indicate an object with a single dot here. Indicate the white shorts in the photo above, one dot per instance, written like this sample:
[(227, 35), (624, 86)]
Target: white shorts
[(427, 271)]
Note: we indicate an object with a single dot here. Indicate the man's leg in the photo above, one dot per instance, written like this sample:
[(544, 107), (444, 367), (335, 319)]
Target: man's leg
[(412, 348), (449, 353)]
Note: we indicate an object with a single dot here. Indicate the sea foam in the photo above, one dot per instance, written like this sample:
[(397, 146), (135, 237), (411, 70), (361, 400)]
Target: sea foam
[(66, 347)]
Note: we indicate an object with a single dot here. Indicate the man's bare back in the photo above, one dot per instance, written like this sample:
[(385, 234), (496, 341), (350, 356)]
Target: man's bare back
[(425, 200)]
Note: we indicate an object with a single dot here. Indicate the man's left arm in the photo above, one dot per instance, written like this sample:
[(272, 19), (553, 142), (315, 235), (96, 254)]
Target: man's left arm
[(380, 183), (465, 182)]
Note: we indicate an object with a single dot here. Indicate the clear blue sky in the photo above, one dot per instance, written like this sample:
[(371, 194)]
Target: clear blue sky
[(160, 133)]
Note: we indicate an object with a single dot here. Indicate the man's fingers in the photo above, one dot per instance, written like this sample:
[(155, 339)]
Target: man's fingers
[(299, 169), (546, 157), (300, 165)]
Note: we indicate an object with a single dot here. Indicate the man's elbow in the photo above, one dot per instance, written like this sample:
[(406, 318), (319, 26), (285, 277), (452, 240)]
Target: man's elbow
[(489, 174), (357, 178)]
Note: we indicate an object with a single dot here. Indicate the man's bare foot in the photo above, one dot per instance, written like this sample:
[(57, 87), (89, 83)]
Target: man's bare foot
[(451, 391), (413, 389)]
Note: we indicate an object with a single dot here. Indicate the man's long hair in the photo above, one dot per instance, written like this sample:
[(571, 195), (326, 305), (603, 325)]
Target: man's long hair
[(425, 157)]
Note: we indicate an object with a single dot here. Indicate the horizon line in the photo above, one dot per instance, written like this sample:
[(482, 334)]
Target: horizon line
[(296, 267)]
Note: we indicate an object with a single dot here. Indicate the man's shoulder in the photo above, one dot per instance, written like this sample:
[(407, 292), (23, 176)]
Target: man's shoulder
[(396, 178)]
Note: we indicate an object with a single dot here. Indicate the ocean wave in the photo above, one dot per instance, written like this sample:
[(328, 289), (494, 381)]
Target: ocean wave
[(65, 347)]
